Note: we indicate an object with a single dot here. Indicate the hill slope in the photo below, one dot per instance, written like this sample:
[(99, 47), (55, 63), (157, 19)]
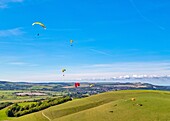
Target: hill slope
[(117, 106)]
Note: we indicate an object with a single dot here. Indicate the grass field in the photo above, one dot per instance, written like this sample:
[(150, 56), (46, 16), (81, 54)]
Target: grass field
[(9, 96), (110, 106), (39, 87), (26, 103)]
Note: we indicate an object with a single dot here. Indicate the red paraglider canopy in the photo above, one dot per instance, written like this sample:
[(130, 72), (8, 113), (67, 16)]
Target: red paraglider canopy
[(77, 85)]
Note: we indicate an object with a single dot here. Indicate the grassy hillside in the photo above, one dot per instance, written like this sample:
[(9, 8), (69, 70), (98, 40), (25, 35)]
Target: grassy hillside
[(110, 106), (3, 116)]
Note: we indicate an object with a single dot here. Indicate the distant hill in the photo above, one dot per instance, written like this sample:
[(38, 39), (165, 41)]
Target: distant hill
[(104, 86), (129, 105), (4, 85)]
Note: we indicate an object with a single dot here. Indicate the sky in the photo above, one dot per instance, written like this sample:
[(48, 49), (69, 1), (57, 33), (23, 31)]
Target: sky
[(111, 38)]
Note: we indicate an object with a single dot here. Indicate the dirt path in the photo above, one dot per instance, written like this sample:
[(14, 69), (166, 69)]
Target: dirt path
[(46, 116)]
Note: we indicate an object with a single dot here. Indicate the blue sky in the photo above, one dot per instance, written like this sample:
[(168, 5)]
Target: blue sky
[(107, 34)]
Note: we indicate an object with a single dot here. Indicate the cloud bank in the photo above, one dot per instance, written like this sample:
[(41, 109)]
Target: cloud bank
[(5, 3), (11, 32)]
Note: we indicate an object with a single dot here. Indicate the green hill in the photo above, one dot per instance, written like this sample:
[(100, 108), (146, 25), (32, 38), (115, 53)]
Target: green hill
[(110, 106)]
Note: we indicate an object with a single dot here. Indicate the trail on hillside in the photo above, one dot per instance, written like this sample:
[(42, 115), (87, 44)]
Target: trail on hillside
[(46, 116)]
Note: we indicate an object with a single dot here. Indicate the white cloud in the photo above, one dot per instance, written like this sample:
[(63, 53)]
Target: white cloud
[(11, 32), (5, 3), (101, 52), (17, 63)]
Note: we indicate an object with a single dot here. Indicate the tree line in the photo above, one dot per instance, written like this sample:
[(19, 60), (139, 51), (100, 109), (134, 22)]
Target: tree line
[(5, 104), (16, 110)]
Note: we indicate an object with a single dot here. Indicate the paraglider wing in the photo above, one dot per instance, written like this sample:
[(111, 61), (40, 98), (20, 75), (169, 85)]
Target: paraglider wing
[(77, 85), (63, 70), (39, 23), (71, 42), (91, 85)]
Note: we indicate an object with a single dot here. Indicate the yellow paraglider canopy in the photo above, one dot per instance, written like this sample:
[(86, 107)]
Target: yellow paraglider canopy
[(39, 23), (63, 70), (71, 42), (91, 85)]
